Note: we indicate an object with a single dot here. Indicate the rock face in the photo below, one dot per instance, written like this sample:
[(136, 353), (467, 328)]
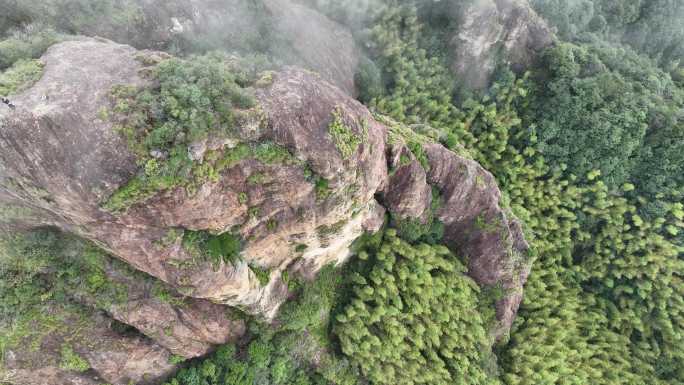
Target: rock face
[(408, 195), (187, 327), (112, 357), (476, 227), (493, 30), (489, 237), (60, 160)]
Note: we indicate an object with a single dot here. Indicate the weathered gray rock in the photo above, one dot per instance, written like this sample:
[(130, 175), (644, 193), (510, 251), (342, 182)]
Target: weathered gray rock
[(47, 375), (189, 330), (187, 327), (124, 360), (490, 32)]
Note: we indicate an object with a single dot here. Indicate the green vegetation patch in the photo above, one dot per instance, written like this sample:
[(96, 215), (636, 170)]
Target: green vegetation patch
[(321, 188), (225, 247), (44, 265), (400, 133), (24, 46), (263, 274), (342, 135), (149, 183), (20, 76), (72, 361), (284, 355), (603, 283), (415, 309)]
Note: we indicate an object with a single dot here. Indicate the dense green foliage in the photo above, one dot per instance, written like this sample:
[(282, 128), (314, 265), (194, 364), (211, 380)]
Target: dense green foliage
[(283, 353), (264, 362), (603, 303), (26, 44), (345, 139), (224, 247), (41, 273), (652, 27), (42, 265), (606, 108), (415, 310)]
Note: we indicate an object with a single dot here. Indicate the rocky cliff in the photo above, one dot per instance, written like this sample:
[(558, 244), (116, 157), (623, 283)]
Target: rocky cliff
[(495, 32), (60, 160)]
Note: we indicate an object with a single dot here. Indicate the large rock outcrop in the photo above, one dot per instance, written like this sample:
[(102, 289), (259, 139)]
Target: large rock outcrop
[(187, 327), (476, 225), (407, 194), (60, 160), (492, 32), (107, 355)]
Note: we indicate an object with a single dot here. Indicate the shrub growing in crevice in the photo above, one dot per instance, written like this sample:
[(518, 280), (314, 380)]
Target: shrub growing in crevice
[(225, 247), (263, 274)]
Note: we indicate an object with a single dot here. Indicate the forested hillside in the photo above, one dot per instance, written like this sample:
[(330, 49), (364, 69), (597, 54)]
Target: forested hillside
[(584, 138)]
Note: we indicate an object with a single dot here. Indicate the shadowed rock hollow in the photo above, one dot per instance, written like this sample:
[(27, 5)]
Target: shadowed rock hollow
[(60, 160)]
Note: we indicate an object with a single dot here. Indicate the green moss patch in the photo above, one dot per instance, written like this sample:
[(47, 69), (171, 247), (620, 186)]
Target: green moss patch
[(263, 274)]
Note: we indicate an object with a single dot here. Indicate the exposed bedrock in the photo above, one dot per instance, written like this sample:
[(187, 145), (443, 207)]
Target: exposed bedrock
[(60, 161)]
